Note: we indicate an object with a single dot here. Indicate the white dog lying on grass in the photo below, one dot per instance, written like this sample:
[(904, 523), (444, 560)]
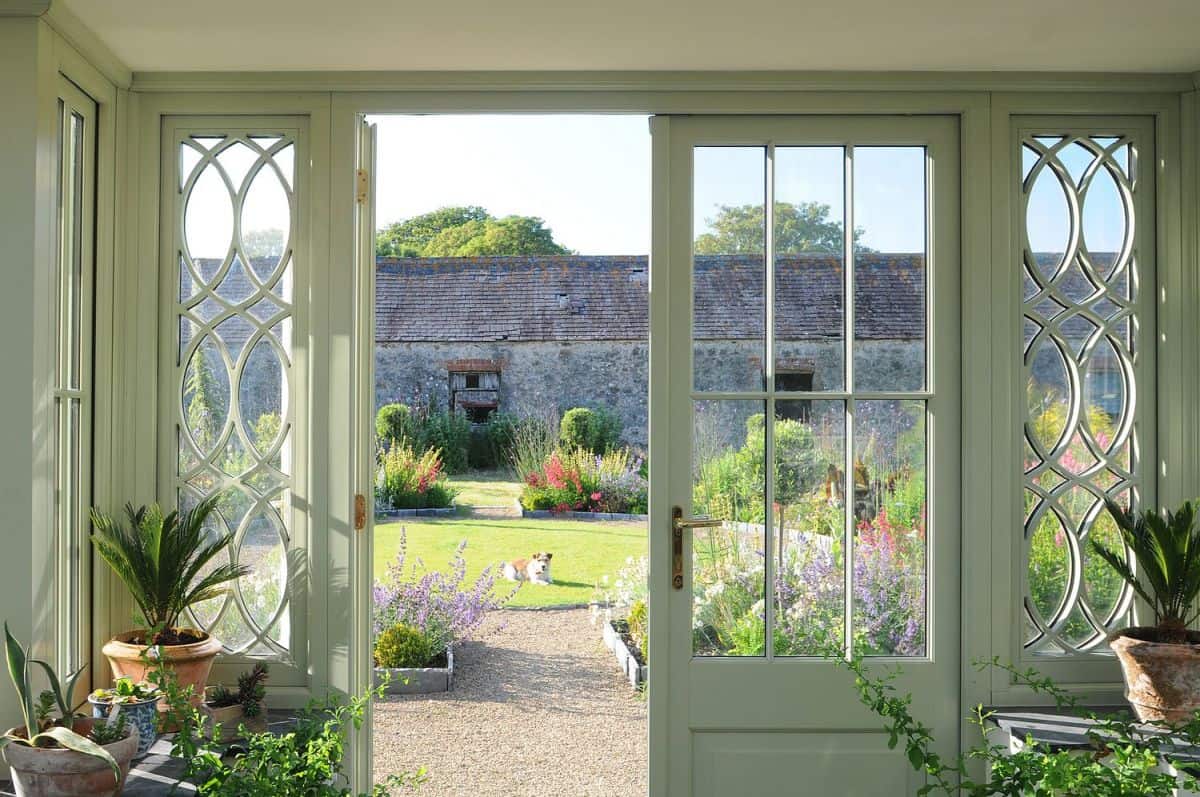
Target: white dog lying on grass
[(535, 569)]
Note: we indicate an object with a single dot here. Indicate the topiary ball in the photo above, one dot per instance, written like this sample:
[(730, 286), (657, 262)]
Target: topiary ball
[(403, 645)]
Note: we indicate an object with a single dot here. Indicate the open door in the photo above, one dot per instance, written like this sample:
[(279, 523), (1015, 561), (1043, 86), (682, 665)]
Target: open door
[(363, 447), (811, 321)]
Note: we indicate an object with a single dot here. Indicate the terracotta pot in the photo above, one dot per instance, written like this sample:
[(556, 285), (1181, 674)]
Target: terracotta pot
[(55, 772), (1162, 679), (231, 718), (191, 663)]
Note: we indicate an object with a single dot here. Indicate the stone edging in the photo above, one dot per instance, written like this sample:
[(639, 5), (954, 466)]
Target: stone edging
[(419, 680), (551, 514), (637, 674), (389, 514)]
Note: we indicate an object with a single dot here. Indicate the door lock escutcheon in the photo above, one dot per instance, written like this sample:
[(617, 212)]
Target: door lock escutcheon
[(678, 525)]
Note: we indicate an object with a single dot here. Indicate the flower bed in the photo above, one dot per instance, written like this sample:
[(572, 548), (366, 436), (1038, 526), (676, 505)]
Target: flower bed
[(408, 480), (418, 616), (577, 481), (630, 659)]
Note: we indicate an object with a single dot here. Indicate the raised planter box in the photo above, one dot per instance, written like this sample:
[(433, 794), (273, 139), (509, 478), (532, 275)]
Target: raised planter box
[(550, 513), (418, 680), (637, 674), (390, 514)]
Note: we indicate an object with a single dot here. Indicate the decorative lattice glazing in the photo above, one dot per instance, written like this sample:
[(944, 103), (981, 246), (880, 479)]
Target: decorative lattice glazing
[(1080, 283), (236, 213)]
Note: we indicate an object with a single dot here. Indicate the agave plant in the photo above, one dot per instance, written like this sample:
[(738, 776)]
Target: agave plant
[(41, 731), (162, 559), (1167, 553)]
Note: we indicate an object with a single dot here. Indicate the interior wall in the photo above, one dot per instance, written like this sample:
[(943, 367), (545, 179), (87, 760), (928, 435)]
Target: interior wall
[(26, 230)]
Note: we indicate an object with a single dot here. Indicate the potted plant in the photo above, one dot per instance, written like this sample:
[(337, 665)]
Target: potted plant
[(243, 706), (164, 561), (68, 756), (1161, 663), (137, 701)]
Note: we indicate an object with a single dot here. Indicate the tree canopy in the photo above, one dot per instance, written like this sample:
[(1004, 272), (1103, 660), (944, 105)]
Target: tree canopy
[(802, 227), (466, 232)]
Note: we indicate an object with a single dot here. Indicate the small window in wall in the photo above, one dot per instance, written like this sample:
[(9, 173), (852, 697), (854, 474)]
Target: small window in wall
[(794, 380), (474, 389), (1087, 268)]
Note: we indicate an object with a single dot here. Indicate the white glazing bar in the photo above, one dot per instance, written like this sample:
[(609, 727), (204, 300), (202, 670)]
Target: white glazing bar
[(769, 420), (848, 359)]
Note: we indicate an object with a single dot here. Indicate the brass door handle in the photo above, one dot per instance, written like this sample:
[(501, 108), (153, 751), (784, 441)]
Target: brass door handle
[(678, 524)]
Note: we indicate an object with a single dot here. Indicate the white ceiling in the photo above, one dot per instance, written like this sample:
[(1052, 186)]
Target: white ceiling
[(1011, 35)]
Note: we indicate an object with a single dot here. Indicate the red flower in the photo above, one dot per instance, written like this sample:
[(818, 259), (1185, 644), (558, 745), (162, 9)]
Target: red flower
[(596, 496)]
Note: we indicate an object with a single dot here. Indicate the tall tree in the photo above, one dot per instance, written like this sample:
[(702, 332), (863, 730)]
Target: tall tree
[(802, 227), (466, 232)]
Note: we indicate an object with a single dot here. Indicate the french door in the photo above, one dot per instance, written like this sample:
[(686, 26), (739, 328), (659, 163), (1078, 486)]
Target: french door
[(811, 307)]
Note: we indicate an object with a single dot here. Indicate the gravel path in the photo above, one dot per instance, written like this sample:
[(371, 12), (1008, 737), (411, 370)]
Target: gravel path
[(538, 708)]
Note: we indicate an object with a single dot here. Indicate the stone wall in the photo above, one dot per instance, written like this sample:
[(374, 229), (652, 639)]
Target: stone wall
[(540, 376)]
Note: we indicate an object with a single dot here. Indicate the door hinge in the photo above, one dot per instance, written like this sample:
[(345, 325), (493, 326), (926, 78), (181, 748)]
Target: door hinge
[(360, 511), (363, 183)]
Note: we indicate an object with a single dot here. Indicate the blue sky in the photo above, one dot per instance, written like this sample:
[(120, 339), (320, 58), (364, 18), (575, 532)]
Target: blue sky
[(588, 177)]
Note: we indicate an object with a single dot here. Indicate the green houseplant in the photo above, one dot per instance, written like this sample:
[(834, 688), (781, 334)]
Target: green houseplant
[(1161, 663), (244, 706), (67, 755), (137, 701), (166, 563)]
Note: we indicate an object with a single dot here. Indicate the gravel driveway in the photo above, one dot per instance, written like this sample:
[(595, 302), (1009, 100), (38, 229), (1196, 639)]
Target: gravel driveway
[(538, 708)]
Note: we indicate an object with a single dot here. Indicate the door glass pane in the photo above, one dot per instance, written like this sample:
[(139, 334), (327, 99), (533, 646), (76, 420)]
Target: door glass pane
[(729, 271), (810, 526), (889, 268), (810, 261), (729, 482), (890, 561), (236, 423)]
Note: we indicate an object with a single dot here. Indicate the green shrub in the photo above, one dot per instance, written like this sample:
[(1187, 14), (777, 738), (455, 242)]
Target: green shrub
[(404, 645), (639, 627), (533, 439), (423, 427), (393, 423), (595, 429)]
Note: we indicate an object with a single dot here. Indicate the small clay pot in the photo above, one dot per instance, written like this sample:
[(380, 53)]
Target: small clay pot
[(1162, 679), (191, 663), (57, 772)]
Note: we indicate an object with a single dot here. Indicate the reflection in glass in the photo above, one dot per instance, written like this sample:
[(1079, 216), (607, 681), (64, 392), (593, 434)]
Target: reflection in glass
[(890, 558), (729, 482), (728, 271)]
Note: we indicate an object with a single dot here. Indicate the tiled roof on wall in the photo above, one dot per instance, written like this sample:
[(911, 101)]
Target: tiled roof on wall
[(580, 298)]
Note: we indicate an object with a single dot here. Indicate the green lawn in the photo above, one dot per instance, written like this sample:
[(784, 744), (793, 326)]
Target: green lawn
[(485, 488), (583, 550)]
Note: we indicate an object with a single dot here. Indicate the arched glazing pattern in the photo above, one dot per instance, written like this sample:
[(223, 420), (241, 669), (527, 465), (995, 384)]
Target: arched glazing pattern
[(235, 430), (1082, 337)]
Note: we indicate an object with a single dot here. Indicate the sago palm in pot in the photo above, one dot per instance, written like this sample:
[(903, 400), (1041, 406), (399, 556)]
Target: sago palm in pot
[(1161, 663), (167, 564)]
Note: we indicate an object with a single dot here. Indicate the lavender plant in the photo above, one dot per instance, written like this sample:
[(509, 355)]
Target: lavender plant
[(440, 603)]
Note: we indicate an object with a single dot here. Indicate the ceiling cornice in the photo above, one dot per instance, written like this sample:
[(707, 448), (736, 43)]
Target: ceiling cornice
[(23, 8), (418, 81), (71, 28)]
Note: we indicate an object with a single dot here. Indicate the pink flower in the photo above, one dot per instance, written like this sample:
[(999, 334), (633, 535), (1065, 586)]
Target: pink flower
[(596, 496)]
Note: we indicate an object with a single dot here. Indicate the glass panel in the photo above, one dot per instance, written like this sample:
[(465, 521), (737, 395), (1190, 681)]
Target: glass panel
[(889, 268), (810, 213), (810, 518), (74, 275), (729, 271), (1079, 372), (728, 482), (890, 560), (236, 429)]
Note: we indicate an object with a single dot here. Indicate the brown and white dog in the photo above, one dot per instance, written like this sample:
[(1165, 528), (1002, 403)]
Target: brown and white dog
[(535, 569)]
